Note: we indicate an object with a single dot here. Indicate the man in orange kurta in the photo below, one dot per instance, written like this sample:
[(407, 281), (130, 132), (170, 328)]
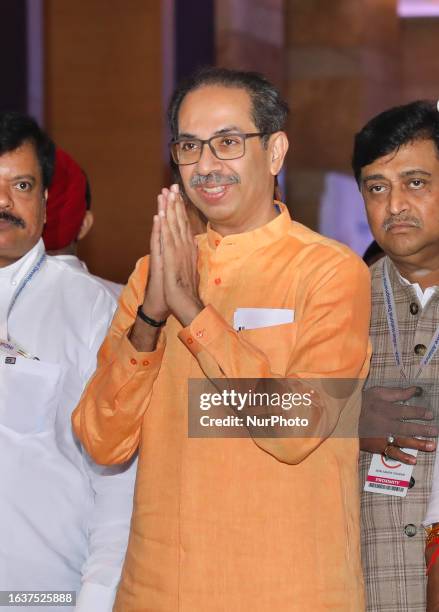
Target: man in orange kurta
[(231, 524)]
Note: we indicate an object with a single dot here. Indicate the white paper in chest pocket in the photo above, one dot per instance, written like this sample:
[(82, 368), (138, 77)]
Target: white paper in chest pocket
[(254, 318), (30, 393)]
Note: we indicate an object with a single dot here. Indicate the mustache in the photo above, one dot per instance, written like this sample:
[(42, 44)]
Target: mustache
[(198, 180), (389, 223), (12, 219)]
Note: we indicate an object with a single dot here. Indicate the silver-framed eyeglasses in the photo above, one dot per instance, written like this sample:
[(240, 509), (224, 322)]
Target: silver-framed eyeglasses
[(230, 145)]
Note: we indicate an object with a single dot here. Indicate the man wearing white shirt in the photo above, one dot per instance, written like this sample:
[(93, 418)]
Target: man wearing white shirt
[(64, 520), (396, 164)]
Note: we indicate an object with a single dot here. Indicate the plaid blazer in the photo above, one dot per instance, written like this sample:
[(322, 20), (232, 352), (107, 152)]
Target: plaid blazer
[(393, 562)]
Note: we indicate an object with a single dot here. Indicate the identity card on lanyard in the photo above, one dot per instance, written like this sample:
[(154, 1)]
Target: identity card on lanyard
[(386, 475)]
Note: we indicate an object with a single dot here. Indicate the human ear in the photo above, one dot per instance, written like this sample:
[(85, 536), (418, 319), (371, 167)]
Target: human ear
[(278, 147), (87, 224), (44, 201)]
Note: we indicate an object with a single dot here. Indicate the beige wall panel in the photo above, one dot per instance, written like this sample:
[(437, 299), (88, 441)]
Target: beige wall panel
[(259, 55), (342, 67), (324, 23), (324, 113), (420, 59), (104, 106), (250, 36)]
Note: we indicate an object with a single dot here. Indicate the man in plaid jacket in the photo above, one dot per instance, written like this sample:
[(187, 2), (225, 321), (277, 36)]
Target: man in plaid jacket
[(396, 164)]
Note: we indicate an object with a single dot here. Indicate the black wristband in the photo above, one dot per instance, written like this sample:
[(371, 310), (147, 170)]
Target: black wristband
[(148, 320)]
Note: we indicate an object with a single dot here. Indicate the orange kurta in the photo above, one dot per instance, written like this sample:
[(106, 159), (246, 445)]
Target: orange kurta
[(221, 525)]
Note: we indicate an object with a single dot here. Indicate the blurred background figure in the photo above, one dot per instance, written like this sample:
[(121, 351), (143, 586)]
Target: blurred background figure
[(342, 215), (68, 215)]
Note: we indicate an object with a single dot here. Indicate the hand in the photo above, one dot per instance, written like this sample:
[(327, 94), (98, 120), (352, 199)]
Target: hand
[(180, 256), (382, 415), (154, 304)]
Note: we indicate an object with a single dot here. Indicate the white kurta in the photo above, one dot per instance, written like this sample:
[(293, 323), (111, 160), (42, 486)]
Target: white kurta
[(64, 521), (74, 262)]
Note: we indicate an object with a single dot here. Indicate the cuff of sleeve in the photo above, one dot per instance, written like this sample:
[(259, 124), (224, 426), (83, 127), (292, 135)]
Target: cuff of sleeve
[(96, 597), (203, 330), (432, 517), (136, 360)]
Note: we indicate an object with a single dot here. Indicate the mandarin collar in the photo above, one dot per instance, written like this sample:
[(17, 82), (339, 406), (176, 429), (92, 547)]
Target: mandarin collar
[(259, 237), (73, 261), (16, 271), (404, 286), (401, 284)]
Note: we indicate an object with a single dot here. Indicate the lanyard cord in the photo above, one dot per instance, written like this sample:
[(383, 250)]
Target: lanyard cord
[(392, 323), (26, 280)]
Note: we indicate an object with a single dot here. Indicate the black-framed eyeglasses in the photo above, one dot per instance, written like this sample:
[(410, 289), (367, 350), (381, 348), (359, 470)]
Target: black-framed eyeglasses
[(230, 145)]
